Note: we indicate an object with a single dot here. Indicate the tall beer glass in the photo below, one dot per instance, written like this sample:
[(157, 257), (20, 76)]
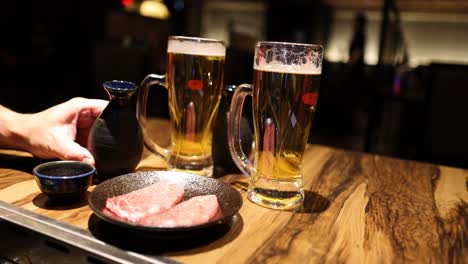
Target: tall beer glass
[(194, 81), (284, 92)]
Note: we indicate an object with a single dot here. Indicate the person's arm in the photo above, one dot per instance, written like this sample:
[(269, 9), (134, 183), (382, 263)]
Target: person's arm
[(12, 127), (57, 132)]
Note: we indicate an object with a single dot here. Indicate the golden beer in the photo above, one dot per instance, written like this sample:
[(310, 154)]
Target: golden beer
[(286, 80), (195, 86), (194, 80), (283, 110)]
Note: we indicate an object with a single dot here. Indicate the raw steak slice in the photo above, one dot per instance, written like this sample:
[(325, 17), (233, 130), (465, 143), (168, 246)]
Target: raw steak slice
[(152, 199), (195, 211)]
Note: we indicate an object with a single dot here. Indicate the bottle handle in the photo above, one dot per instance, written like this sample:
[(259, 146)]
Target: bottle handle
[(234, 126), (148, 81)]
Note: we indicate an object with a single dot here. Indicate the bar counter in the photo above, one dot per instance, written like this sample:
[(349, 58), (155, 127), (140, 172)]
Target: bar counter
[(359, 208)]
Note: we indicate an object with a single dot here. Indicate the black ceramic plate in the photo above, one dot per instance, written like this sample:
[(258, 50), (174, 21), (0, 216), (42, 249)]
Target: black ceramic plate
[(230, 200)]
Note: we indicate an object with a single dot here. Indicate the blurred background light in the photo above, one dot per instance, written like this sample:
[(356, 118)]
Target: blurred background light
[(154, 9)]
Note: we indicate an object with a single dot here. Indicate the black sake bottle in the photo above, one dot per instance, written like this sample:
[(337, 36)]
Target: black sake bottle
[(115, 140)]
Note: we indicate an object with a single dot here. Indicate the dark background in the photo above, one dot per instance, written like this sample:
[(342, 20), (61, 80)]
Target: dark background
[(51, 51)]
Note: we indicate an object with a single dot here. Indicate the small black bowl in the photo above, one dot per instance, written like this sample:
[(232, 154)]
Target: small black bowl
[(64, 179)]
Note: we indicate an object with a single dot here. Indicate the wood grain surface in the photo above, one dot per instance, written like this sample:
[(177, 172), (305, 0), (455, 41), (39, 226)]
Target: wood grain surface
[(359, 208)]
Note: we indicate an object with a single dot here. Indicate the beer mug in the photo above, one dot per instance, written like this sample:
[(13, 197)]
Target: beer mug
[(284, 94), (194, 80)]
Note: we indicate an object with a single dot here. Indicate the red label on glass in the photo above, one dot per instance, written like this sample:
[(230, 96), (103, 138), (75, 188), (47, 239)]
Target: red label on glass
[(310, 98), (195, 85)]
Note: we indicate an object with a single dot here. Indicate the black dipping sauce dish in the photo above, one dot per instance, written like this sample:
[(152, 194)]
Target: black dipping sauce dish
[(66, 180)]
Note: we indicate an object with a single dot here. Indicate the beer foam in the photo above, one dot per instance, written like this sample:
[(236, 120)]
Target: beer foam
[(284, 68), (287, 58), (196, 48), (295, 69)]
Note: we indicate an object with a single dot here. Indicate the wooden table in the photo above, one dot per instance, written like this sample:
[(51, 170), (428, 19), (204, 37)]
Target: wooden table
[(359, 208)]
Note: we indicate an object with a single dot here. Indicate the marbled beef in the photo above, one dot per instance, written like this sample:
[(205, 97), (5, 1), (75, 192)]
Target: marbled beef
[(150, 200), (195, 211)]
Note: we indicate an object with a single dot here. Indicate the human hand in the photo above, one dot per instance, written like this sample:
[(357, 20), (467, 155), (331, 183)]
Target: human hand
[(62, 130)]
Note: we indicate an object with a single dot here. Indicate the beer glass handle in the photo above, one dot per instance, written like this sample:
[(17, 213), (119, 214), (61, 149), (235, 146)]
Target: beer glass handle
[(150, 80), (234, 125)]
